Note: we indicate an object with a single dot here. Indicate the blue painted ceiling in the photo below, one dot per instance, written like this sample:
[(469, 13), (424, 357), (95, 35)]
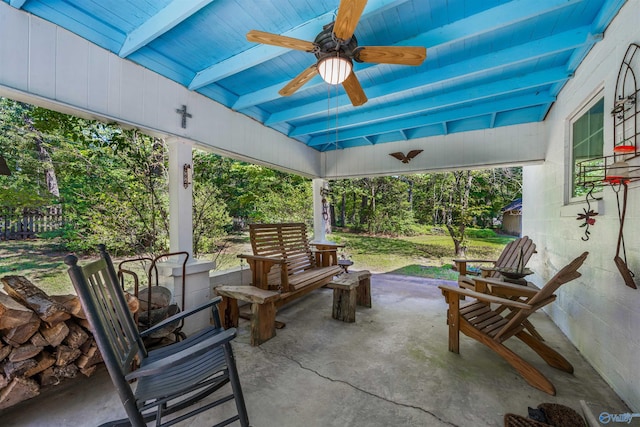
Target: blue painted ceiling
[(489, 63)]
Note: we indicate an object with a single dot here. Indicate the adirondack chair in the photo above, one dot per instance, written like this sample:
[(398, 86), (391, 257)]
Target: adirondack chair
[(170, 378), (515, 252), (478, 321)]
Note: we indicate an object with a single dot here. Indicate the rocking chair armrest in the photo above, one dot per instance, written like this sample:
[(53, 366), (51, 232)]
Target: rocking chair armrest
[(511, 288), (179, 316), (184, 354), (483, 297)]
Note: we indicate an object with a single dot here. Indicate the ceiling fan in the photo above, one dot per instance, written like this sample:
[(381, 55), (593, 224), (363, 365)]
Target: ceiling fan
[(335, 48)]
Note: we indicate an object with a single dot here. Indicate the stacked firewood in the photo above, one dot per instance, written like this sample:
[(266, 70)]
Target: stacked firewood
[(44, 340)]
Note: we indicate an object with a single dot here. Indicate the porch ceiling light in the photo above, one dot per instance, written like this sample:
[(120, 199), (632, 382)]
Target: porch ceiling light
[(334, 69)]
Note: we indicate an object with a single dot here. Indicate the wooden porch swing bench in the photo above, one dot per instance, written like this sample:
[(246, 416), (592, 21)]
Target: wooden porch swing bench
[(283, 268)]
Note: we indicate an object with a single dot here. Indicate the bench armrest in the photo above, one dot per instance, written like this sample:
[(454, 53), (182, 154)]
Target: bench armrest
[(184, 354), (461, 264), (260, 268), (466, 260), (274, 260), (183, 314), (327, 245), (504, 288)]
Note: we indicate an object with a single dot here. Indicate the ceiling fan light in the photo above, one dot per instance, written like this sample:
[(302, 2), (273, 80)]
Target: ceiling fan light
[(334, 69)]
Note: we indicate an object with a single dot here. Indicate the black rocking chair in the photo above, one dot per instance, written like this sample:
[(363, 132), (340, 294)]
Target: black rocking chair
[(170, 378)]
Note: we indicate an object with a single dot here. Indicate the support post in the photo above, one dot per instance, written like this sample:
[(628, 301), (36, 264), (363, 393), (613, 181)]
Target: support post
[(180, 198), (319, 226), (196, 283)]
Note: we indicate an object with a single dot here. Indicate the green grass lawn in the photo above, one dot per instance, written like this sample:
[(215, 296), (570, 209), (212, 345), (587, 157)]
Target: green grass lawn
[(39, 260), (426, 255)]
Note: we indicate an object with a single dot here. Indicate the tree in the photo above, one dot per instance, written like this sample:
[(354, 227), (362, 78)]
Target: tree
[(26, 187), (457, 214)]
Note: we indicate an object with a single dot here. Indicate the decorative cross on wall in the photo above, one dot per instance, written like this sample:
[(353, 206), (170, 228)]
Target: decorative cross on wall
[(185, 115)]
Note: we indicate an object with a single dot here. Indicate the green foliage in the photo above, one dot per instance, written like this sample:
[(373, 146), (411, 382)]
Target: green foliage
[(452, 201), (112, 184), (290, 205), (255, 193), (25, 187), (480, 233), (427, 253), (210, 219)]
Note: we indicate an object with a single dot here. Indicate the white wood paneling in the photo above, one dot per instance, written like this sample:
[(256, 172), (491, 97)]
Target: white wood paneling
[(14, 43), (71, 68), (98, 99), (510, 145), (42, 43)]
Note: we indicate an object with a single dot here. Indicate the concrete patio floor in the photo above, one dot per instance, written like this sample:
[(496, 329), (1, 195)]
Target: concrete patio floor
[(390, 368)]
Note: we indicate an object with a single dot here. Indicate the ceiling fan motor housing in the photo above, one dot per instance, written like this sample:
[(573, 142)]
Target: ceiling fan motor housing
[(328, 45)]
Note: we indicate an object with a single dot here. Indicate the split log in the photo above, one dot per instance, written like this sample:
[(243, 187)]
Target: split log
[(66, 355), (38, 340), (45, 360), (20, 389), (77, 335), (14, 314), (55, 334), (48, 377), (132, 302), (44, 344), (17, 369), (85, 324), (68, 371), (5, 350), (21, 334), (90, 358), (24, 352), (91, 342), (71, 303), (31, 296), (87, 372)]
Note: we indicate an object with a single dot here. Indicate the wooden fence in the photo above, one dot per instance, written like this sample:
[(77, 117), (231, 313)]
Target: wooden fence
[(29, 223)]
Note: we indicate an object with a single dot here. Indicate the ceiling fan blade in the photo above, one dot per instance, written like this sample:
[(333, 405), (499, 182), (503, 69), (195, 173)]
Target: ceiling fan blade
[(403, 55), (282, 41), (299, 81), (349, 13), (354, 90)]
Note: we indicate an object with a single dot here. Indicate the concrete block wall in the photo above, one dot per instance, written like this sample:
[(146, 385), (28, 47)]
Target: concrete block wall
[(598, 313)]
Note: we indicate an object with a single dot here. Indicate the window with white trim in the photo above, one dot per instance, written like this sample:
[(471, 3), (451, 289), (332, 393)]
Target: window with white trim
[(587, 142)]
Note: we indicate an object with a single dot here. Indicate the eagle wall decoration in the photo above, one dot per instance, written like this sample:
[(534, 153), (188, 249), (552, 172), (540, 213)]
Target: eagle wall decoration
[(406, 159)]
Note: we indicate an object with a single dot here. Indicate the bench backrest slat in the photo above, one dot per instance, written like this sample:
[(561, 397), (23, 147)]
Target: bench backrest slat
[(288, 241)]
